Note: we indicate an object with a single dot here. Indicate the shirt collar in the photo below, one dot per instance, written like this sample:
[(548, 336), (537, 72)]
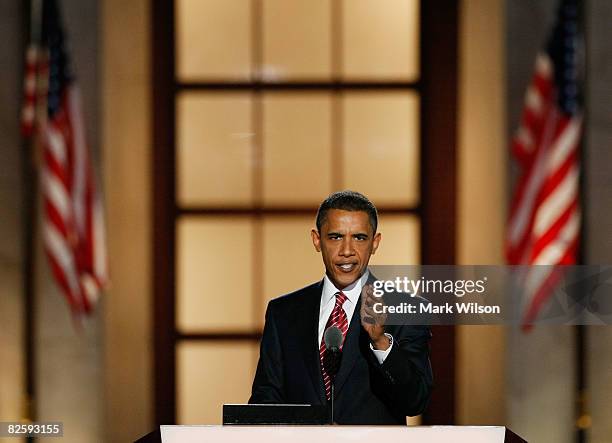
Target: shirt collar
[(352, 291)]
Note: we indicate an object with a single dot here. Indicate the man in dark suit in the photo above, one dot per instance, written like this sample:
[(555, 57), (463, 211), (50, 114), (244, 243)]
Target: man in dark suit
[(385, 374)]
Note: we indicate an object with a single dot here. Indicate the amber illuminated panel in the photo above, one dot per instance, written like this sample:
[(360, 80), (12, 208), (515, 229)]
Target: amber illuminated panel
[(381, 146), (290, 260), (296, 39), (210, 374), (214, 149), (400, 243), (297, 148), (214, 274), (380, 39), (213, 40), (417, 420)]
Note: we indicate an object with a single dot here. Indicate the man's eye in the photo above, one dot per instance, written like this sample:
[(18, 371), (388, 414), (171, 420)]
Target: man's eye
[(361, 237)]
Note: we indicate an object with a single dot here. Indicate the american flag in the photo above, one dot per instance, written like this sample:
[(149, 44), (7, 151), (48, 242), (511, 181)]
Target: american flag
[(544, 220), (73, 227)]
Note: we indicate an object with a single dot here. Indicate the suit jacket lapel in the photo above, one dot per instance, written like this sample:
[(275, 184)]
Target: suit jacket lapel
[(350, 349), (309, 345)]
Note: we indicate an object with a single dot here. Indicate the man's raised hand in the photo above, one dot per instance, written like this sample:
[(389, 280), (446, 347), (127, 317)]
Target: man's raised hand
[(373, 322)]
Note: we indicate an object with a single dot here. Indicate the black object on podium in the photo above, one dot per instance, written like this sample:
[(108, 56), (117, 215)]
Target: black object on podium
[(273, 414)]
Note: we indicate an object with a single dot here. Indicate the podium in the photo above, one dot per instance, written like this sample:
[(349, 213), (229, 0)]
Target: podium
[(331, 434)]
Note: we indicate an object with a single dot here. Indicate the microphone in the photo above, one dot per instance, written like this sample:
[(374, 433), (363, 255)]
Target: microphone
[(333, 338), (333, 341)]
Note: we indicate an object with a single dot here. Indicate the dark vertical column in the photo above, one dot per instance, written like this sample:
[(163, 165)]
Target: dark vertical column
[(337, 97), (257, 122), (164, 210), (596, 198), (582, 418), (439, 52), (28, 232)]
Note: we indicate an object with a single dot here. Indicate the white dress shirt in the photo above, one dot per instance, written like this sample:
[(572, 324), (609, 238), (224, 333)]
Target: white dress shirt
[(352, 292)]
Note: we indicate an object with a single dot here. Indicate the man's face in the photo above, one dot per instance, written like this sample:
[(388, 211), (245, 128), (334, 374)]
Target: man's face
[(346, 242)]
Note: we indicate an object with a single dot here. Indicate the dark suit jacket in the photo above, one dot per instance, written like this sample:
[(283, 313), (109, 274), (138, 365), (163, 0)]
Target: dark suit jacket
[(366, 391)]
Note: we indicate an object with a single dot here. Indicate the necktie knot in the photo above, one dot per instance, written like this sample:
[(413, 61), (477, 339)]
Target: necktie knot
[(340, 298)]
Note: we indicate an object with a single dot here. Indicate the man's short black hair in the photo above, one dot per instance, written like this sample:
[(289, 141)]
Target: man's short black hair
[(347, 201)]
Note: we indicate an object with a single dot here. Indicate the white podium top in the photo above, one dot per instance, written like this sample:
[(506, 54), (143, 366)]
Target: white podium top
[(332, 434)]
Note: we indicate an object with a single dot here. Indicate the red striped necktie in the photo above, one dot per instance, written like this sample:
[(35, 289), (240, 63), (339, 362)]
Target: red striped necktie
[(337, 318)]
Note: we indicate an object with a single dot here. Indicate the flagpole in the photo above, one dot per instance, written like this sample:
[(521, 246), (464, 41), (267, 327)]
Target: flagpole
[(583, 418), (32, 26), (35, 21)]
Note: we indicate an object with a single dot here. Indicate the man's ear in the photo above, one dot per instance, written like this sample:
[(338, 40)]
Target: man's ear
[(375, 242), (316, 239)]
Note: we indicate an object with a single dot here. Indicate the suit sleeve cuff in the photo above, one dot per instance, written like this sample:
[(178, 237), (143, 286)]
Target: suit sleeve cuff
[(382, 355)]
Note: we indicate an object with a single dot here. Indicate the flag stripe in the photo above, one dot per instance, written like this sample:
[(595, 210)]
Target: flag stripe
[(554, 230), (553, 206), (55, 144), (566, 144), (556, 249), (56, 246), (558, 177)]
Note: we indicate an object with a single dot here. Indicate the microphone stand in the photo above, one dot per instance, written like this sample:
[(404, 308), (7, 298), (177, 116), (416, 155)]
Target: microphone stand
[(335, 357), (333, 342), (332, 402)]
